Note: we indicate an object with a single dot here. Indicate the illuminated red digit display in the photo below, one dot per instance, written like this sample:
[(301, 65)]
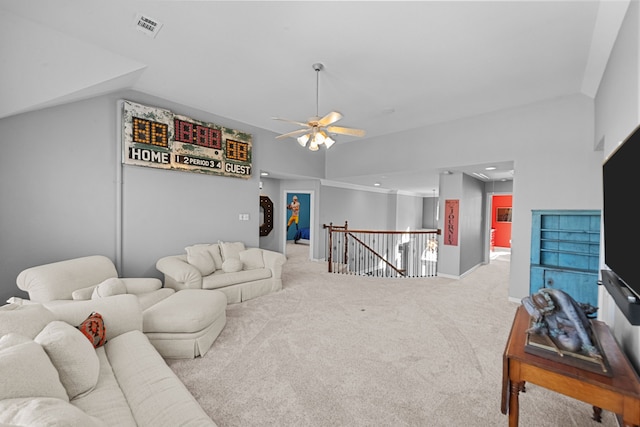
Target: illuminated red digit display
[(196, 134)]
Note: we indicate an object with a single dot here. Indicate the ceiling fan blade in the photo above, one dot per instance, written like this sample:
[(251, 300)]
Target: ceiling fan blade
[(332, 117), (292, 134), (291, 121), (345, 131)]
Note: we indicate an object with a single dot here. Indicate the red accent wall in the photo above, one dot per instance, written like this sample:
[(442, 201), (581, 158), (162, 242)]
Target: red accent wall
[(502, 229)]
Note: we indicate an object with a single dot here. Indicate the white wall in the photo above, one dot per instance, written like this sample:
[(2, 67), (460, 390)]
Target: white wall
[(617, 112)]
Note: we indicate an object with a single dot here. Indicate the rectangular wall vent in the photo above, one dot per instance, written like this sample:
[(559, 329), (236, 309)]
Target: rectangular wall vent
[(147, 25)]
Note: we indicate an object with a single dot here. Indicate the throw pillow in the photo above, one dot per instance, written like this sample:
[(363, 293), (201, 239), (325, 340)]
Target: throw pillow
[(27, 371), (231, 249), (214, 249), (93, 328), (232, 265), (73, 356), (83, 294), (251, 258), (26, 319), (200, 257), (111, 286)]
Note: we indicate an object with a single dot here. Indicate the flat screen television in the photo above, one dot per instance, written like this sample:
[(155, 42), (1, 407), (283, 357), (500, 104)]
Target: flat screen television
[(620, 177)]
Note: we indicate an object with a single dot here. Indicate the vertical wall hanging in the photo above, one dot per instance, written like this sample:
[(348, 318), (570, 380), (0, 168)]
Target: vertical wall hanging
[(451, 208)]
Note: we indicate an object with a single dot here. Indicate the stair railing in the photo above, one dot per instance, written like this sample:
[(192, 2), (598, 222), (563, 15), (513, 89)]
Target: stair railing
[(381, 253)]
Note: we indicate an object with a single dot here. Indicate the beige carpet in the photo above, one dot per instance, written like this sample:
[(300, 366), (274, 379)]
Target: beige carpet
[(334, 350)]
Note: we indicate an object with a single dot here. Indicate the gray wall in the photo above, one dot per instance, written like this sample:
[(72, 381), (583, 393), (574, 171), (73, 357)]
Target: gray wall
[(543, 140), (408, 212), (617, 113), (430, 212), (456, 261), (59, 191), (271, 188), (472, 224)]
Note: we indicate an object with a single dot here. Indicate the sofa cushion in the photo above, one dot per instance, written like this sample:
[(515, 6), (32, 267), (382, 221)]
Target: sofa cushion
[(93, 328), (151, 298), (83, 294), (251, 258), (110, 287), (27, 371), (139, 369), (106, 401), (220, 279), (176, 314), (73, 356), (44, 412), (200, 257), (231, 250), (27, 320), (231, 265)]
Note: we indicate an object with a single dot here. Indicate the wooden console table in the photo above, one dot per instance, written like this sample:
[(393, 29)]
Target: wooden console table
[(618, 393)]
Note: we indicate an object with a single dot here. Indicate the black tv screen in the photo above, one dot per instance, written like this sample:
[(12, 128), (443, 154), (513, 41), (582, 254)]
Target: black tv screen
[(621, 179)]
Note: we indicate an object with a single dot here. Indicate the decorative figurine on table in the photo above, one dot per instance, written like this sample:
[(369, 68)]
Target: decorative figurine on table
[(564, 322)]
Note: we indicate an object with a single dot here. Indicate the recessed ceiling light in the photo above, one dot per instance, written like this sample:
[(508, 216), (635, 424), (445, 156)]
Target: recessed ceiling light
[(490, 168), (480, 175), (264, 173), (377, 184)]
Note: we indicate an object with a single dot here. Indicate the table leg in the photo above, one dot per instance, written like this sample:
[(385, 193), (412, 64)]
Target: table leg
[(514, 406), (597, 414)]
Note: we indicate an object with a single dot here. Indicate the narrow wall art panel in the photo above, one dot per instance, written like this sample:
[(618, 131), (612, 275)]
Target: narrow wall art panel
[(155, 137)]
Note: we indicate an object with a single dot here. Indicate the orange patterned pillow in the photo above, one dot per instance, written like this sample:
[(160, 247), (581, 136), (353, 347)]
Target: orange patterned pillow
[(93, 328)]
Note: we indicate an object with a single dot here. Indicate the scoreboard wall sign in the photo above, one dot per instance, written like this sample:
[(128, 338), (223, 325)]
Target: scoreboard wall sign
[(157, 138)]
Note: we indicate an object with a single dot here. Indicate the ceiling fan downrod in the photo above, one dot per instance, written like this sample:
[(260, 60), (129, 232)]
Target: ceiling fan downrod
[(317, 67)]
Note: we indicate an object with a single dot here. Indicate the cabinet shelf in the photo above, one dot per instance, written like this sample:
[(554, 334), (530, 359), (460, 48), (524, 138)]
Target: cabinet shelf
[(574, 270), (556, 251)]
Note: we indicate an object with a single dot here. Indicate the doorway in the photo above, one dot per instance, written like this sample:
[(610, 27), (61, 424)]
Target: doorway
[(500, 226)]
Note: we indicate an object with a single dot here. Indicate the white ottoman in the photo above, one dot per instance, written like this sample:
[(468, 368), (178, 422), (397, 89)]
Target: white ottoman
[(185, 324)]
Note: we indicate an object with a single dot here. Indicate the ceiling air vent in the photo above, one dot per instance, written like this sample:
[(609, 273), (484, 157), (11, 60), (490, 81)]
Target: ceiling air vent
[(147, 25)]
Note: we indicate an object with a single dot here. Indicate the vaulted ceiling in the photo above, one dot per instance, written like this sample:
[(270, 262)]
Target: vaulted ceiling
[(389, 66)]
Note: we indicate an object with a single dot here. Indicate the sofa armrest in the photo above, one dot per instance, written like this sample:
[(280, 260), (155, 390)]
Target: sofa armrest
[(141, 285), (274, 261), (178, 273), (121, 313)]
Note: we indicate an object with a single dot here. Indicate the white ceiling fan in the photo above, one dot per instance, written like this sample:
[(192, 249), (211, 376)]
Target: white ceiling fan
[(317, 129)]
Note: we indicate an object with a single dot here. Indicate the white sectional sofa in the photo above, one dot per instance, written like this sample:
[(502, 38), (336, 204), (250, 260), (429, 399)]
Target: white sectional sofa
[(179, 324), (52, 375), (239, 272)]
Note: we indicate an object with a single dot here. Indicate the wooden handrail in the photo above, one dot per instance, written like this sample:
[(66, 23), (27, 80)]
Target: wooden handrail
[(376, 255)]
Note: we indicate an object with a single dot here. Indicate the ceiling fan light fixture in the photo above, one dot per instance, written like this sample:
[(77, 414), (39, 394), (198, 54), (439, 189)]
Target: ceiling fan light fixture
[(302, 140), (318, 128), (328, 142)]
